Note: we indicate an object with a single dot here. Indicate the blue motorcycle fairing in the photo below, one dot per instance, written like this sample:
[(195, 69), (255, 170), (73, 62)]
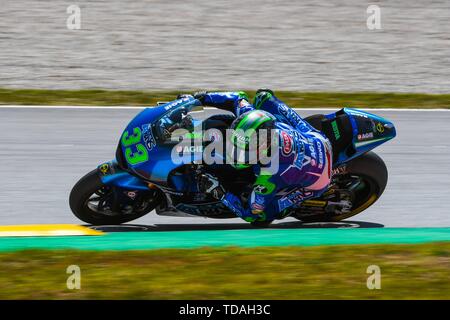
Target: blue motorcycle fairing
[(112, 175), (159, 164), (368, 130)]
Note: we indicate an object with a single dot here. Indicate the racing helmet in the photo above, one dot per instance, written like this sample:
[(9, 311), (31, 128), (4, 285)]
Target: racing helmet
[(250, 135)]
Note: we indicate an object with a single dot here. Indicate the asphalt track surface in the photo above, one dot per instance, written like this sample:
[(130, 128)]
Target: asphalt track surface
[(44, 151)]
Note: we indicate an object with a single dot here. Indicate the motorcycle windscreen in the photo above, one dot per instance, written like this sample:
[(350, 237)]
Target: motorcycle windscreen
[(147, 145)]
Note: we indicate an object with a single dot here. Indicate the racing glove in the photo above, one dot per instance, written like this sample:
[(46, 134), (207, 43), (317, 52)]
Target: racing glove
[(200, 96), (183, 95)]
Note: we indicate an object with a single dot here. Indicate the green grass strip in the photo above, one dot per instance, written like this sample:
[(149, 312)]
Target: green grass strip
[(418, 271), (293, 99)]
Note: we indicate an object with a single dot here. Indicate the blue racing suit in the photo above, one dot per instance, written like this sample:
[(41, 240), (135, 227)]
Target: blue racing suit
[(305, 159)]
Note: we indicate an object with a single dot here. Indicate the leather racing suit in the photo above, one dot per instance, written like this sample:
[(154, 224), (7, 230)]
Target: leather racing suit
[(305, 159)]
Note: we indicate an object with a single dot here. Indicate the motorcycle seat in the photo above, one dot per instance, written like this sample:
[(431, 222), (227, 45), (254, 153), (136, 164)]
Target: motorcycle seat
[(338, 130)]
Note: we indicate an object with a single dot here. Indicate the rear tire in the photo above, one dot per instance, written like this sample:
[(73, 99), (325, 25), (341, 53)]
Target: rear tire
[(80, 195), (372, 169)]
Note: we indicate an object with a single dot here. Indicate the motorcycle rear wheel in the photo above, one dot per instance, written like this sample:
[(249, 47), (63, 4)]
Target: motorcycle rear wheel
[(370, 171)]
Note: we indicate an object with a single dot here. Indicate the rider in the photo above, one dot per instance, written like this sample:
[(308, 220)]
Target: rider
[(305, 156)]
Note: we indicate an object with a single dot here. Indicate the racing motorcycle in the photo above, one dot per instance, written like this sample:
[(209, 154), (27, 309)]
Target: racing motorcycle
[(143, 176)]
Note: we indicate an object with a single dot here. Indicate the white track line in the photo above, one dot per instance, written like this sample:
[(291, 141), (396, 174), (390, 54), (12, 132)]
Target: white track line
[(206, 108)]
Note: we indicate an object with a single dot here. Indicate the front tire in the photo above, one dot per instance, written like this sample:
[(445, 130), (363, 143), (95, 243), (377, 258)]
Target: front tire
[(91, 186)]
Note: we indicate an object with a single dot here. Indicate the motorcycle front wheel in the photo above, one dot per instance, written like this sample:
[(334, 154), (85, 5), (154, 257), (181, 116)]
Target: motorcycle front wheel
[(98, 204)]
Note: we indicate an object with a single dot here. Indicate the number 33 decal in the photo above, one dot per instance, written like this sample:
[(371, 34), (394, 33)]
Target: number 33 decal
[(140, 153)]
